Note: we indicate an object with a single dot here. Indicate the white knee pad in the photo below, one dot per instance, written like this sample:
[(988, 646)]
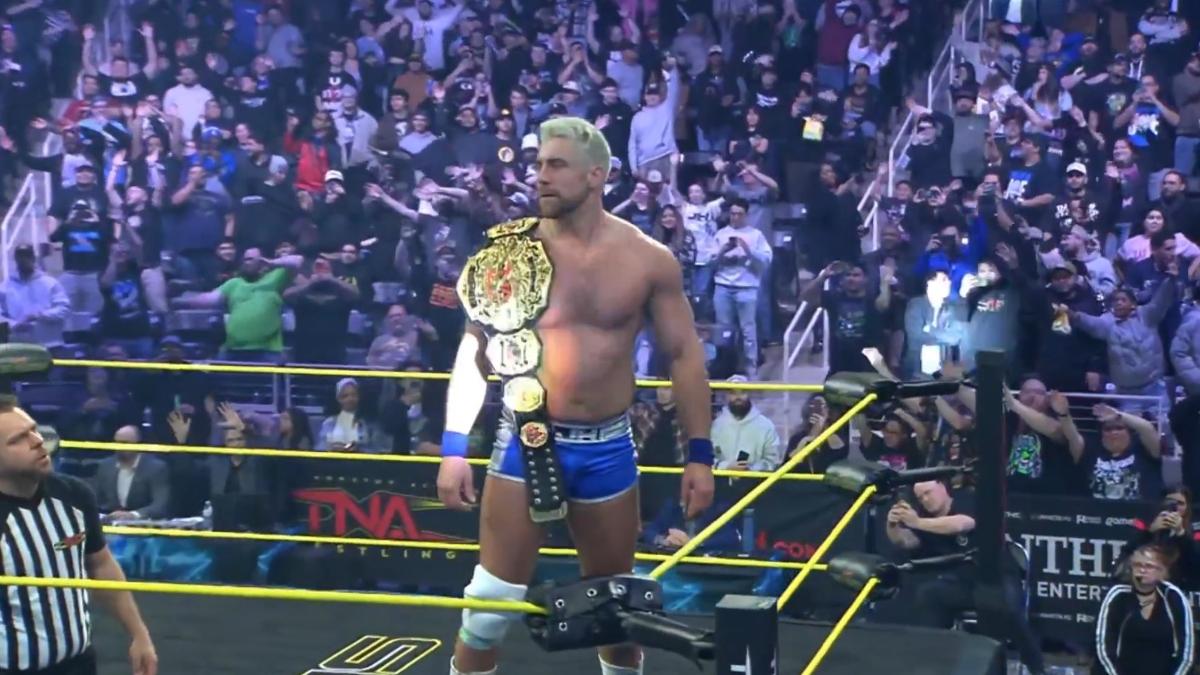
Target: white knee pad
[(485, 630)]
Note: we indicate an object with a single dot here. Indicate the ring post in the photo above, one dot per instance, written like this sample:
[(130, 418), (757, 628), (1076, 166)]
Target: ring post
[(747, 635), (989, 492)]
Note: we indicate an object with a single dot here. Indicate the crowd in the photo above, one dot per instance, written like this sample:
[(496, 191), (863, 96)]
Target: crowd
[(302, 182)]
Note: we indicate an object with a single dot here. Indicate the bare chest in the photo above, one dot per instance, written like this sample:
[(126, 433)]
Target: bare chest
[(598, 290)]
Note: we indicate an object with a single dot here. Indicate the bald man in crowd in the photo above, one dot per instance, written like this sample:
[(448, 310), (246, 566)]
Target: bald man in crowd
[(133, 485)]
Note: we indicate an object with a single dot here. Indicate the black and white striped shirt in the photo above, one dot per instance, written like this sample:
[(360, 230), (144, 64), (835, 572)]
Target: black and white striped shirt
[(46, 536)]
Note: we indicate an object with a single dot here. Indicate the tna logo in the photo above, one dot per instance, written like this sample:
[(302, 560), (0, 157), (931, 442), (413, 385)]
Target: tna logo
[(382, 515)]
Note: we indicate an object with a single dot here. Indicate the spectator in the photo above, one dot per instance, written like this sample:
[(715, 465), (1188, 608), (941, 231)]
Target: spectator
[(743, 257), (652, 130), (202, 218), (85, 240), (34, 304), (1126, 462), (855, 312), (125, 316), (815, 418), (901, 443), (931, 326), (187, 99), (1068, 360), (1163, 621), (347, 430), (253, 299), (743, 438), (1138, 248), (132, 485), (671, 529), (1135, 352), (1186, 93), (1171, 528), (322, 304)]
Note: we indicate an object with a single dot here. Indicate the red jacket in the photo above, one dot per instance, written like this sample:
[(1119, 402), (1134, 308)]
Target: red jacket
[(314, 159), (833, 40)]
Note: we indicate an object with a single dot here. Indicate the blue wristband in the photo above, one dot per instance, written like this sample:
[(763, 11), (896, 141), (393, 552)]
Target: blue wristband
[(700, 451), (454, 444)]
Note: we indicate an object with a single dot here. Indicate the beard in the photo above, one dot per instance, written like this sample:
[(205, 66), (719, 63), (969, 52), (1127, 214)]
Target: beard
[(739, 409), (558, 205)]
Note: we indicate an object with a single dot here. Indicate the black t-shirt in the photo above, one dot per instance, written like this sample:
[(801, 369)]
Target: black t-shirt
[(932, 545), (125, 313), (854, 324), (322, 314), (1027, 182), (1131, 475), (1036, 464), (125, 89), (85, 245), (1108, 99), (903, 458), (1152, 137)]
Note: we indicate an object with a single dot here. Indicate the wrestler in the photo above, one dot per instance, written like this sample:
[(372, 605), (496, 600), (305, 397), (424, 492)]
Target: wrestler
[(607, 277)]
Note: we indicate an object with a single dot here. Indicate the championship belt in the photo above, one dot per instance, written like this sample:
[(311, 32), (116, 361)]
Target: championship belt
[(504, 288)]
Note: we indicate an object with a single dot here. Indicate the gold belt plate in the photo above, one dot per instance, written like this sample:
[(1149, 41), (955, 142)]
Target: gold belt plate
[(506, 285)]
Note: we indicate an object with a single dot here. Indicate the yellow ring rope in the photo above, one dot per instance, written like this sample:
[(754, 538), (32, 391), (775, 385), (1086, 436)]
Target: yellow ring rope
[(825, 545), (260, 593), (382, 374), (425, 545), (762, 487), (109, 446), (840, 626)]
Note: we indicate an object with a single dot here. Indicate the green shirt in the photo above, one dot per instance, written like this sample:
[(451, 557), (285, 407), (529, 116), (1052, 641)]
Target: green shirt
[(255, 311)]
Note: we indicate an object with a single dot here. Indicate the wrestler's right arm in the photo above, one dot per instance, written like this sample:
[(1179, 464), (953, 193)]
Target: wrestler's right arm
[(464, 400)]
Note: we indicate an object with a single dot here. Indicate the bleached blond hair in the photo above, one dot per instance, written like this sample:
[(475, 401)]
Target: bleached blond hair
[(584, 134)]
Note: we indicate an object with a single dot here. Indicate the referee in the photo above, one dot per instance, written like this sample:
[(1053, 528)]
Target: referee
[(50, 527)]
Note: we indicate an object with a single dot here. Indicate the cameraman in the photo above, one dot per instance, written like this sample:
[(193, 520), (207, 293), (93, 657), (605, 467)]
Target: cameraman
[(85, 240), (942, 524), (1172, 528)]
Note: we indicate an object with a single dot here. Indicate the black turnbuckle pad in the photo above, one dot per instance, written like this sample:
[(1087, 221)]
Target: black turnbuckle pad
[(587, 612), (611, 610)]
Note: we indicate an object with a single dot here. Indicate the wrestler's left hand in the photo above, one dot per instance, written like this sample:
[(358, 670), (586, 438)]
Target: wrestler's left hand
[(142, 656), (698, 488)]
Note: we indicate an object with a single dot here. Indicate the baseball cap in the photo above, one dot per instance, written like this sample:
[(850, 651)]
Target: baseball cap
[(614, 164), (738, 379), (654, 176), (170, 340), (529, 142), (24, 250), (571, 86), (86, 166), (277, 164), (558, 109), (715, 49), (334, 174), (505, 113), (1077, 167)]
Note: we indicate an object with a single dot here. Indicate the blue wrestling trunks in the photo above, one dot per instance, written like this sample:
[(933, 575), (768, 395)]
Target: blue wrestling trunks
[(598, 459)]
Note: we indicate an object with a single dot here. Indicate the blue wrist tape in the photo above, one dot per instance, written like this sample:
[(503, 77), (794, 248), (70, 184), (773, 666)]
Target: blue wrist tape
[(700, 451), (454, 444)]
